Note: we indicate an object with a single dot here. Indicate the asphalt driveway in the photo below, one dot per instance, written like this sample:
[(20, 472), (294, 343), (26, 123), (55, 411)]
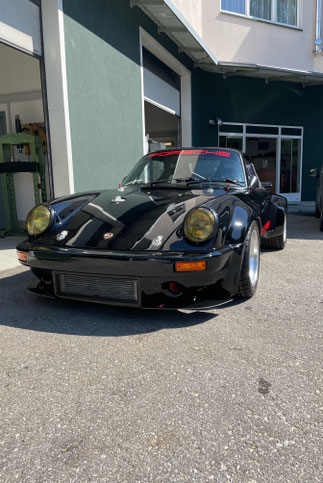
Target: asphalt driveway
[(92, 393)]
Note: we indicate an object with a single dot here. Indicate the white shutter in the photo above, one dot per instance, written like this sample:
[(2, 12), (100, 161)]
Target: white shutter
[(160, 93), (20, 25)]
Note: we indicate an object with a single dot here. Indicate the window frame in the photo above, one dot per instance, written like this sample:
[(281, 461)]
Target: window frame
[(273, 19), (292, 197)]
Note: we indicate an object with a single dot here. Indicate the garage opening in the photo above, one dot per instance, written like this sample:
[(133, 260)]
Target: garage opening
[(23, 183), (24, 172), (162, 95)]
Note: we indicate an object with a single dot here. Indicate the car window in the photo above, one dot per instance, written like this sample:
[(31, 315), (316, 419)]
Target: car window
[(197, 164), (251, 171)]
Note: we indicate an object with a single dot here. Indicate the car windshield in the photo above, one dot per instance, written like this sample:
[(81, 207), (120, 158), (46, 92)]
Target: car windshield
[(188, 165)]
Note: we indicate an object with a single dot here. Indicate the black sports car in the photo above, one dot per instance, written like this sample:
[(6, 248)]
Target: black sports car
[(185, 225), (318, 173)]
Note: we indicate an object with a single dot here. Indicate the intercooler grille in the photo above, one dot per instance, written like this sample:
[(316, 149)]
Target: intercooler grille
[(96, 288)]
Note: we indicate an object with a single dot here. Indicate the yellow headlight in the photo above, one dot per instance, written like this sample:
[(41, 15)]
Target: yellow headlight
[(38, 220), (199, 225)]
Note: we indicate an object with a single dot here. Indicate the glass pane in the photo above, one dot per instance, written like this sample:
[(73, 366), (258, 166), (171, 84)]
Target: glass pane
[(289, 166), (287, 12), (288, 131), (237, 6), (262, 152), (200, 164), (260, 9), (262, 130), (231, 142), (231, 128)]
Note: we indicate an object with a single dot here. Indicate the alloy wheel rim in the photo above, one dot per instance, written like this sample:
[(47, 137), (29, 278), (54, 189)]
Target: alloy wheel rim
[(254, 257)]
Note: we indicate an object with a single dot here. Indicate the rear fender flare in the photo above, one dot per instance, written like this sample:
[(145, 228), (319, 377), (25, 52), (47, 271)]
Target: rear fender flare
[(277, 218)]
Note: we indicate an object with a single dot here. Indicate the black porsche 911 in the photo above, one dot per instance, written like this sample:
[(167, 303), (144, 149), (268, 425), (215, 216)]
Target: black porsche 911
[(184, 226), (318, 173)]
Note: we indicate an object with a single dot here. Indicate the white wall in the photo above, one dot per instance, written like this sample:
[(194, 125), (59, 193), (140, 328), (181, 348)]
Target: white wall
[(57, 96), (236, 39)]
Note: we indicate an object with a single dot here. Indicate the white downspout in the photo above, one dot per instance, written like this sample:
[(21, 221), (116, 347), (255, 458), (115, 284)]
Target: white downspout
[(318, 40)]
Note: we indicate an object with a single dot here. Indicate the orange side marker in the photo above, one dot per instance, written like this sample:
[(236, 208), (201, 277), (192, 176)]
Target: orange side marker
[(190, 266)]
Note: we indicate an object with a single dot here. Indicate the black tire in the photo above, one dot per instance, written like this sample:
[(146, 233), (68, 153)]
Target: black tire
[(317, 211), (277, 242), (321, 220), (247, 284)]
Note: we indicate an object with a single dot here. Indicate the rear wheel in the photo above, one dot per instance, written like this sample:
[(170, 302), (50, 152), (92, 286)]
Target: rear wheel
[(317, 210), (277, 242), (250, 264), (321, 220)]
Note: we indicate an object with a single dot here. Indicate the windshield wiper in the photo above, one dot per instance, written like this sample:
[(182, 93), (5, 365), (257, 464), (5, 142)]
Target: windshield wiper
[(227, 180), (207, 181), (190, 180), (174, 180), (187, 181), (135, 181)]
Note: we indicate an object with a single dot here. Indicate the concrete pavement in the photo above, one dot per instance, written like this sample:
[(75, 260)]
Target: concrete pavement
[(91, 393), (8, 257)]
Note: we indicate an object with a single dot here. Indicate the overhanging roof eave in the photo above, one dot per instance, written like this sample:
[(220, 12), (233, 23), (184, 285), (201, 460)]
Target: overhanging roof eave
[(171, 22)]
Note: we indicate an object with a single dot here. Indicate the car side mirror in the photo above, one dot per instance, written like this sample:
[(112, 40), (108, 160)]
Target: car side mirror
[(267, 184), (314, 173)]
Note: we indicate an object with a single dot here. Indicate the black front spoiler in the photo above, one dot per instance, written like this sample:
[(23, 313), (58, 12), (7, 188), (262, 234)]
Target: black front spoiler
[(43, 290)]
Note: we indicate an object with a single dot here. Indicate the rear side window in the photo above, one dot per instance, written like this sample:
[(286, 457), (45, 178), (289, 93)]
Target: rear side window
[(251, 171)]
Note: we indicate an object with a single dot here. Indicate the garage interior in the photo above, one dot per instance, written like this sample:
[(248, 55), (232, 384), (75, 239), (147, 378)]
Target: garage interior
[(21, 111)]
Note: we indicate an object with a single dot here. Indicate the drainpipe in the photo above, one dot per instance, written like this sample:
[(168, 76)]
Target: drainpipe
[(318, 40)]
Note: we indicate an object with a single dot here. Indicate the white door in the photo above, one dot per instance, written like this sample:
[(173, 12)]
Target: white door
[(290, 168)]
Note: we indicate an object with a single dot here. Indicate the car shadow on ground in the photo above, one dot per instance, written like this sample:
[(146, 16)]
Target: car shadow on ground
[(23, 310), (10, 242)]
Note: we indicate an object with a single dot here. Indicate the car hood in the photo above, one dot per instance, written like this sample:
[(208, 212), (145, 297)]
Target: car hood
[(131, 219)]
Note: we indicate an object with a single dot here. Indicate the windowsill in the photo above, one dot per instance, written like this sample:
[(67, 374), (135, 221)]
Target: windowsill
[(241, 15)]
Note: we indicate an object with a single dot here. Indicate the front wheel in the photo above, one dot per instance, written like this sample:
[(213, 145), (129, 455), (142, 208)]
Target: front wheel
[(250, 264)]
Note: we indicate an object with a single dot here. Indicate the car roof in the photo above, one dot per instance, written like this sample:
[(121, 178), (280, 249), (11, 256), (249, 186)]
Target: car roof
[(194, 148)]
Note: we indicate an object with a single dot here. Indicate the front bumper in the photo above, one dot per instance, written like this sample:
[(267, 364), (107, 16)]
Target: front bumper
[(152, 272)]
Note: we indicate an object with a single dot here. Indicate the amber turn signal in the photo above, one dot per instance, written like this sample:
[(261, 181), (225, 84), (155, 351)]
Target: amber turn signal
[(22, 256), (190, 266)]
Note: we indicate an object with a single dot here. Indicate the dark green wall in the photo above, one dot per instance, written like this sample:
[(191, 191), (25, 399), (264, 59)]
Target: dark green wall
[(104, 87), (250, 100)]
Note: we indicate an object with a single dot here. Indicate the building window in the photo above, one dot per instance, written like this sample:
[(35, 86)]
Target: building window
[(260, 9), (237, 6), (277, 11), (287, 12), (276, 152)]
